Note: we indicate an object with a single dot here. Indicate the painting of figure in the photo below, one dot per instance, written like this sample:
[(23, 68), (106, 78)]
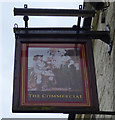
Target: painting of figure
[(54, 69)]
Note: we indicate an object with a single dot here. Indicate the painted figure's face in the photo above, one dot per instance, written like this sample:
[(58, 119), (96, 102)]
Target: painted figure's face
[(39, 58), (38, 61)]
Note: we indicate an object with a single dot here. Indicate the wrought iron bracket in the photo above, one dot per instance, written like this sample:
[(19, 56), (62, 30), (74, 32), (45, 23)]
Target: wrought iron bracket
[(26, 18), (85, 30)]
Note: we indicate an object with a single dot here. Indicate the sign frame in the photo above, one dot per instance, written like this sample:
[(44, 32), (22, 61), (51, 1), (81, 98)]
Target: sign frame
[(25, 38)]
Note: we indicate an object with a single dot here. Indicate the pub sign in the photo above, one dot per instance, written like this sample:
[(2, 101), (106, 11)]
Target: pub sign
[(53, 73)]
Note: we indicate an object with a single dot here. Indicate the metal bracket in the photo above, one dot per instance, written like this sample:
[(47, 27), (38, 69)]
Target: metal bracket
[(26, 18), (88, 14), (79, 19), (102, 35)]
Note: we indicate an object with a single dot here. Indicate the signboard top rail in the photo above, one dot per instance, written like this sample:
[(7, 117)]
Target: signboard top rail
[(63, 32)]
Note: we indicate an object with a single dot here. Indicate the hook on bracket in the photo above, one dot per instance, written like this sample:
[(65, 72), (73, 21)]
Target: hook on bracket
[(15, 25), (25, 5)]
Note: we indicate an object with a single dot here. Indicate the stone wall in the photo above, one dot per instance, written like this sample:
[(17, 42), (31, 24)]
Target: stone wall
[(105, 64)]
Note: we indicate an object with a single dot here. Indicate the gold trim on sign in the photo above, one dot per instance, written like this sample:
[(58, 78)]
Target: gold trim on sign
[(23, 74), (22, 77), (86, 77), (23, 102)]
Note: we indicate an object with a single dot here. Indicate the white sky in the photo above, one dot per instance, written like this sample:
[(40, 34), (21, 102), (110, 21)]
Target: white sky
[(7, 46)]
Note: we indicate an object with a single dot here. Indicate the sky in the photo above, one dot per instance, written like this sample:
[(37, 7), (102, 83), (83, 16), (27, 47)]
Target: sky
[(7, 46)]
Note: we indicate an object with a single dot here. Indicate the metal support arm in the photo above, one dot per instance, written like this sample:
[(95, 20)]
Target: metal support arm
[(88, 14), (53, 12)]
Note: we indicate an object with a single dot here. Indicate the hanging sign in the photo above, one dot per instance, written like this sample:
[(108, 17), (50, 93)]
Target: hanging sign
[(54, 77)]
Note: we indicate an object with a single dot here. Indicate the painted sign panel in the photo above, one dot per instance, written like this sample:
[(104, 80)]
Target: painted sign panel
[(54, 75)]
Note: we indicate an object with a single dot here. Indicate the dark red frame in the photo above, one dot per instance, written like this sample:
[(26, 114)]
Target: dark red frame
[(24, 66)]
